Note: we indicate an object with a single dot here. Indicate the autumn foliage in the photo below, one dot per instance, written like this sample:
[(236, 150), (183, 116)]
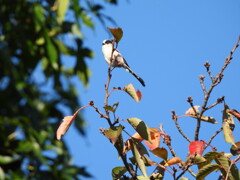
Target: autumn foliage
[(136, 149)]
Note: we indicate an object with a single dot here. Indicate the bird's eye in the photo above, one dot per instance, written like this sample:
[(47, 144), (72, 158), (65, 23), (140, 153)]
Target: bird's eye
[(108, 42)]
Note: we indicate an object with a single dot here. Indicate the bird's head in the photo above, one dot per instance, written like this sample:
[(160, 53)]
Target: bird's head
[(105, 42)]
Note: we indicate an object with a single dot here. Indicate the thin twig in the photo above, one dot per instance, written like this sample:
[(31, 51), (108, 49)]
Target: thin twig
[(91, 103), (207, 66), (219, 100), (213, 136), (215, 82), (174, 117), (190, 101), (201, 79), (183, 172), (167, 140)]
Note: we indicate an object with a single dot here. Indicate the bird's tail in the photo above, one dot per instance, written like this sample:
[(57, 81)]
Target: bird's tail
[(135, 75)]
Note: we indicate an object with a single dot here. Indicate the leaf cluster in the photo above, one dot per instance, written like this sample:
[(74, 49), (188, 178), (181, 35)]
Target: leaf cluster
[(35, 83)]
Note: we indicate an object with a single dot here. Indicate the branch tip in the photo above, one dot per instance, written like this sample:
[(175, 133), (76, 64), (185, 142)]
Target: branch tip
[(207, 65)]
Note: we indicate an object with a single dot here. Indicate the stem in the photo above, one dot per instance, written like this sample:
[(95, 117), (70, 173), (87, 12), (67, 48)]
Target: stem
[(107, 86)]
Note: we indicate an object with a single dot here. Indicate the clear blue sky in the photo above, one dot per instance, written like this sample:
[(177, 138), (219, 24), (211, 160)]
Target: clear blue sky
[(166, 43)]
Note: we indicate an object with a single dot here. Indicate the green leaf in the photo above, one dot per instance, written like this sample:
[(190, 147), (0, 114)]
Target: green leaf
[(112, 108), (209, 157), (61, 10), (235, 172), (138, 158), (117, 172), (63, 48), (84, 75), (119, 144), (224, 162), (113, 133), (141, 148), (147, 161), (39, 17), (87, 20), (235, 150), (228, 126), (117, 33), (7, 159), (196, 159), (204, 171), (76, 31), (160, 152), (140, 127), (2, 174), (51, 52)]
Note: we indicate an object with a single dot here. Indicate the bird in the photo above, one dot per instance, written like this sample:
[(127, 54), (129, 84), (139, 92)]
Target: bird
[(117, 59)]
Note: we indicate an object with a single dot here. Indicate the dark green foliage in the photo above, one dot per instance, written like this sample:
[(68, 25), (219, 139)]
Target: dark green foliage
[(33, 39)]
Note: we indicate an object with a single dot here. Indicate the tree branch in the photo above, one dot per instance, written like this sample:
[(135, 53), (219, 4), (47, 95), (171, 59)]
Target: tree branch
[(215, 81), (174, 117)]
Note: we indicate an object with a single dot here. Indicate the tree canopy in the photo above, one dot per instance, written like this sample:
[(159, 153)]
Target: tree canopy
[(35, 84)]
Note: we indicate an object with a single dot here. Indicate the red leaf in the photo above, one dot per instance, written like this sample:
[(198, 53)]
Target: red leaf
[(196, 147), (139, 95)]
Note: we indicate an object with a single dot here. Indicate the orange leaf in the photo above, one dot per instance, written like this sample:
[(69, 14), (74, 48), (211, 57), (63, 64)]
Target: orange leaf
[(173, 161), (155, 138)]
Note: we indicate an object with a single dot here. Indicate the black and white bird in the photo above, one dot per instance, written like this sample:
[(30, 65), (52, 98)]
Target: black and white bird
[(117, 59)]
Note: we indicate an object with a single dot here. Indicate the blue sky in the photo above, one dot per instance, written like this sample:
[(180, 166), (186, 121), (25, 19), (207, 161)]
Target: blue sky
[(166, 43)]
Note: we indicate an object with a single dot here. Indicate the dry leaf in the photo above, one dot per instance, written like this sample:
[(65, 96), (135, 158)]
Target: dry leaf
[(191, 111), (67, 121), (117, 33), (64, 126)]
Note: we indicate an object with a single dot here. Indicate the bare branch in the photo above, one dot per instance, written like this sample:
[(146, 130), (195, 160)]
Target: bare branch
[(213, 136), (215, 82), (219, 100), (174, 117)]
